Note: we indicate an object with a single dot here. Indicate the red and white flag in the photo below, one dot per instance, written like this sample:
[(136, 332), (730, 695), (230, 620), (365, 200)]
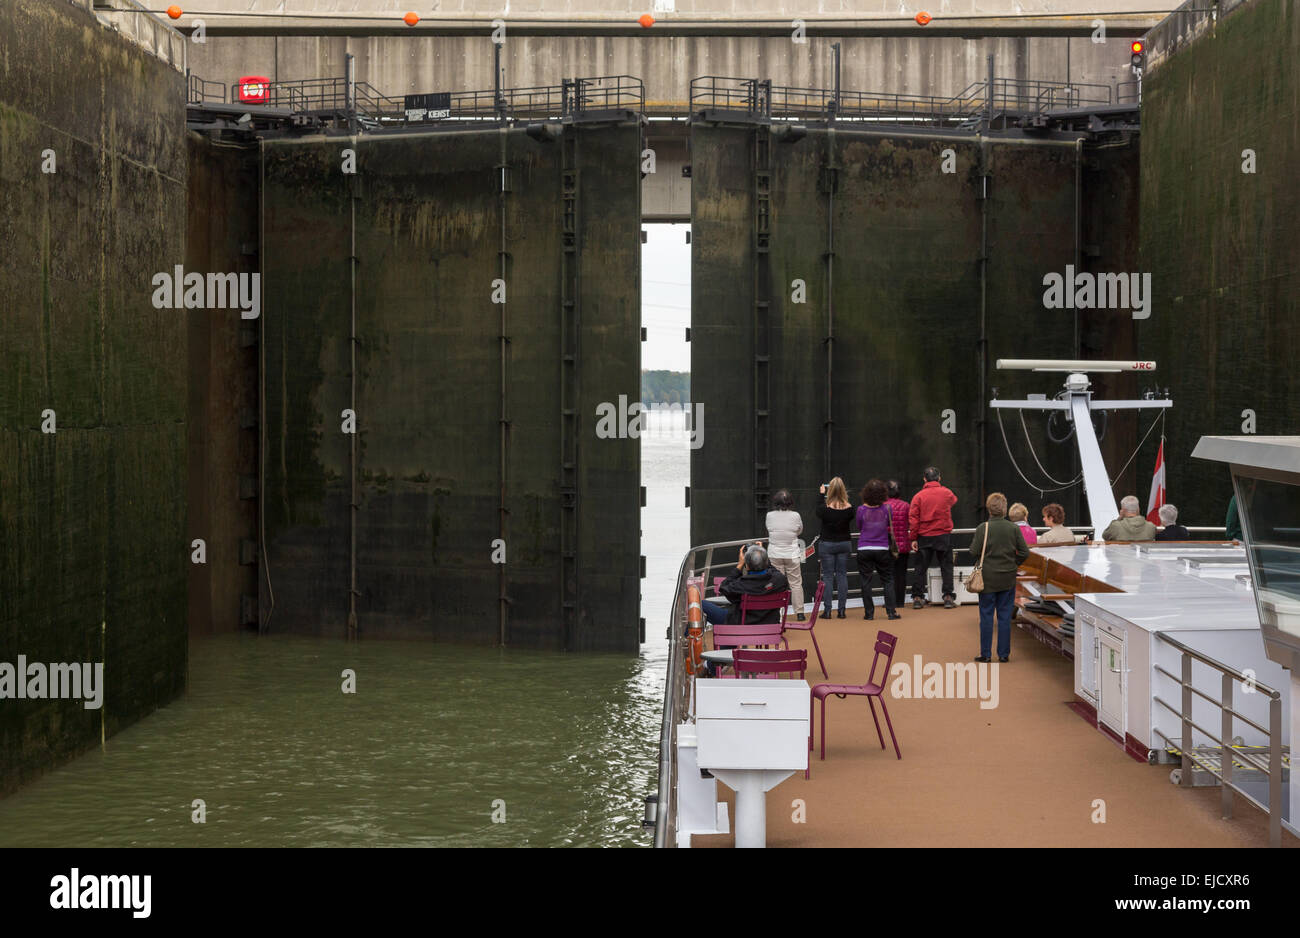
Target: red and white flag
[(1157, 487)]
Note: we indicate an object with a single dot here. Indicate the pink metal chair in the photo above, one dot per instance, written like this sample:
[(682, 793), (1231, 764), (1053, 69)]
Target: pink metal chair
[(808, 626), (770, 663), (764, 663), (736, 636), (873, 690), (766, 603)]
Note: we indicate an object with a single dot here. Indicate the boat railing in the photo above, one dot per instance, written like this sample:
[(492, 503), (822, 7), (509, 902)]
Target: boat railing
[(697, 565), (1230, 755)]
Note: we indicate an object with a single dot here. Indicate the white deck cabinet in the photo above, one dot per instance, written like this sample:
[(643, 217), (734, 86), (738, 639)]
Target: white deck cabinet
[(752, 734)]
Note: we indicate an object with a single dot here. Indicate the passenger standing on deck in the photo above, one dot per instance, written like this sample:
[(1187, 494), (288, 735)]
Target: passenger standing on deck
[(784, 549), (899, 510), (1018, 514), (874, 526), (834, 547), (1232, 523), (1003, 549), (1057, 532), (929, 523), (1130, 525)]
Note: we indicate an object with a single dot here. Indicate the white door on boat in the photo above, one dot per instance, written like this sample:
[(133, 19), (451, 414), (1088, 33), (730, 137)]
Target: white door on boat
[(1110, 681)]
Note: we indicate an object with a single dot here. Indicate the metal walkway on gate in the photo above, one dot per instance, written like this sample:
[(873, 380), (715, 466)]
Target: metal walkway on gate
[(341, 102), (1003, 103)]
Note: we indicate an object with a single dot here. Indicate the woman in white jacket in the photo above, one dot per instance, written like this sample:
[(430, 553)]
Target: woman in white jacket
[(784, 549)]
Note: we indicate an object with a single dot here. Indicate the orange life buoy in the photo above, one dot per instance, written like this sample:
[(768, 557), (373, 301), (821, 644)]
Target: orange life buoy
[(694, 631)]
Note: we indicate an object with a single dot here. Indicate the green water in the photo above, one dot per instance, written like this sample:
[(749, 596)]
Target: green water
[(433, 736)]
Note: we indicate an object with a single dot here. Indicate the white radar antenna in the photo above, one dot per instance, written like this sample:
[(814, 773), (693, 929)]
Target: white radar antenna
[(1078, 405)]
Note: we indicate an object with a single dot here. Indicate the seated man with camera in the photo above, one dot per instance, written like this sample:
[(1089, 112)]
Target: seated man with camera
[(753, 576)]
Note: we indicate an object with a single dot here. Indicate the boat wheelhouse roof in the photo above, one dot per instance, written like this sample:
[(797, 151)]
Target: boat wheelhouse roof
[(1278, 453)]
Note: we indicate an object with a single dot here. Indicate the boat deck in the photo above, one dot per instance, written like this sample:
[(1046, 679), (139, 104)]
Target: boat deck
[(1027, 773)]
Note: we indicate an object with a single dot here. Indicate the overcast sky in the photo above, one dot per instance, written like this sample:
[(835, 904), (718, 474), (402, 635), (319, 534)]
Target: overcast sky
[(666, 297)]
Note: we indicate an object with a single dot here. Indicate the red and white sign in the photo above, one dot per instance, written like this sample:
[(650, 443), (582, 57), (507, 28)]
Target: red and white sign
[(254, 89), (1157, 497)]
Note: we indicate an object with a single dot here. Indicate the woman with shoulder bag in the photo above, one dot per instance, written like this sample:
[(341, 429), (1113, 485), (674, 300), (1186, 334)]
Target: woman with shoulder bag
[(1001, 550), (876, 547)]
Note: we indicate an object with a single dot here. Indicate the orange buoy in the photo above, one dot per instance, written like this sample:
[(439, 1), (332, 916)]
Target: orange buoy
[(646, 20), (410, 19), (174, 11), (695, 632), (922, 18)]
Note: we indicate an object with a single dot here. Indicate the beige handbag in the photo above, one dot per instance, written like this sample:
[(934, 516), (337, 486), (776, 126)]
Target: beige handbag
[(975, 582)]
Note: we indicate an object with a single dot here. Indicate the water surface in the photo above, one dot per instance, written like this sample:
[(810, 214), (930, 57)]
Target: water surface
[(436, 740)]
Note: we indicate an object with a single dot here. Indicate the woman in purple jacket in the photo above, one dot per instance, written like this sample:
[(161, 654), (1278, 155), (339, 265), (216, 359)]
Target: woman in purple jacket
[(874, 522)]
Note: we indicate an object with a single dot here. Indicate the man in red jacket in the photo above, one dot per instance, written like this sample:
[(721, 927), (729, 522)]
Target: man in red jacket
[(929, 524)]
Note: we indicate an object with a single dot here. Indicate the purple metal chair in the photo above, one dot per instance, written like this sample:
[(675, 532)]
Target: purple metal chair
[(764, 663), (766, 603), (808, 626), (770, 662), (873, 690), (736, 636)]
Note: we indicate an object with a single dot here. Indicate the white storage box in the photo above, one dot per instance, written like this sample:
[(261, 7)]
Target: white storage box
[(752, 723)]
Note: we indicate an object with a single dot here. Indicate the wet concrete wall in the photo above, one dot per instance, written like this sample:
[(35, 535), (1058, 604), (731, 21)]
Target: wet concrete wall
[(1222, 244), (92, 516), (222, 235), (429, 386), (912, 310)]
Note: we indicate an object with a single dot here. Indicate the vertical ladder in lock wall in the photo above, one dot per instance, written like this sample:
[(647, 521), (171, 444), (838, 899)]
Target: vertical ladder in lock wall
[(762, 335), (570, 384)]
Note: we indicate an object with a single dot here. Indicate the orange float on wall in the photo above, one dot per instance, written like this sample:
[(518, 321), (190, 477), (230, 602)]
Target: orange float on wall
[(410, 19), (646, 20), (922, 18)]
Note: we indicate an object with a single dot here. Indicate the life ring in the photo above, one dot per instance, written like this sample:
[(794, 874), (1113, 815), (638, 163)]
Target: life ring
[(694, 631)]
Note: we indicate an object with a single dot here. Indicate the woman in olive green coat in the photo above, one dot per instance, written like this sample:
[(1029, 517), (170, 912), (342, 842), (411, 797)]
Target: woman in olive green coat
[(1006, 551)]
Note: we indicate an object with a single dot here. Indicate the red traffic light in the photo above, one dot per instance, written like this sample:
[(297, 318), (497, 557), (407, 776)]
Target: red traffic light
[(1138, 47)]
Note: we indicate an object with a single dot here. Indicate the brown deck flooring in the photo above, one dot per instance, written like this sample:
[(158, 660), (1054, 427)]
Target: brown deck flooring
[(1025, 774)]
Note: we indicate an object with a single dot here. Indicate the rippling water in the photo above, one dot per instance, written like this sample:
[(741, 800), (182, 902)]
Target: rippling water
[(435, 740)]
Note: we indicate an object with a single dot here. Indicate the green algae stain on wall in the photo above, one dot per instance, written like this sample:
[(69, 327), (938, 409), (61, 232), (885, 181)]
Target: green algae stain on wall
[(1221, 244), (92, 518)]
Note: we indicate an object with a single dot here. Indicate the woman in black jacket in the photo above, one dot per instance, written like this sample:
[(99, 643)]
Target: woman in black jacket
[(834, 545)]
